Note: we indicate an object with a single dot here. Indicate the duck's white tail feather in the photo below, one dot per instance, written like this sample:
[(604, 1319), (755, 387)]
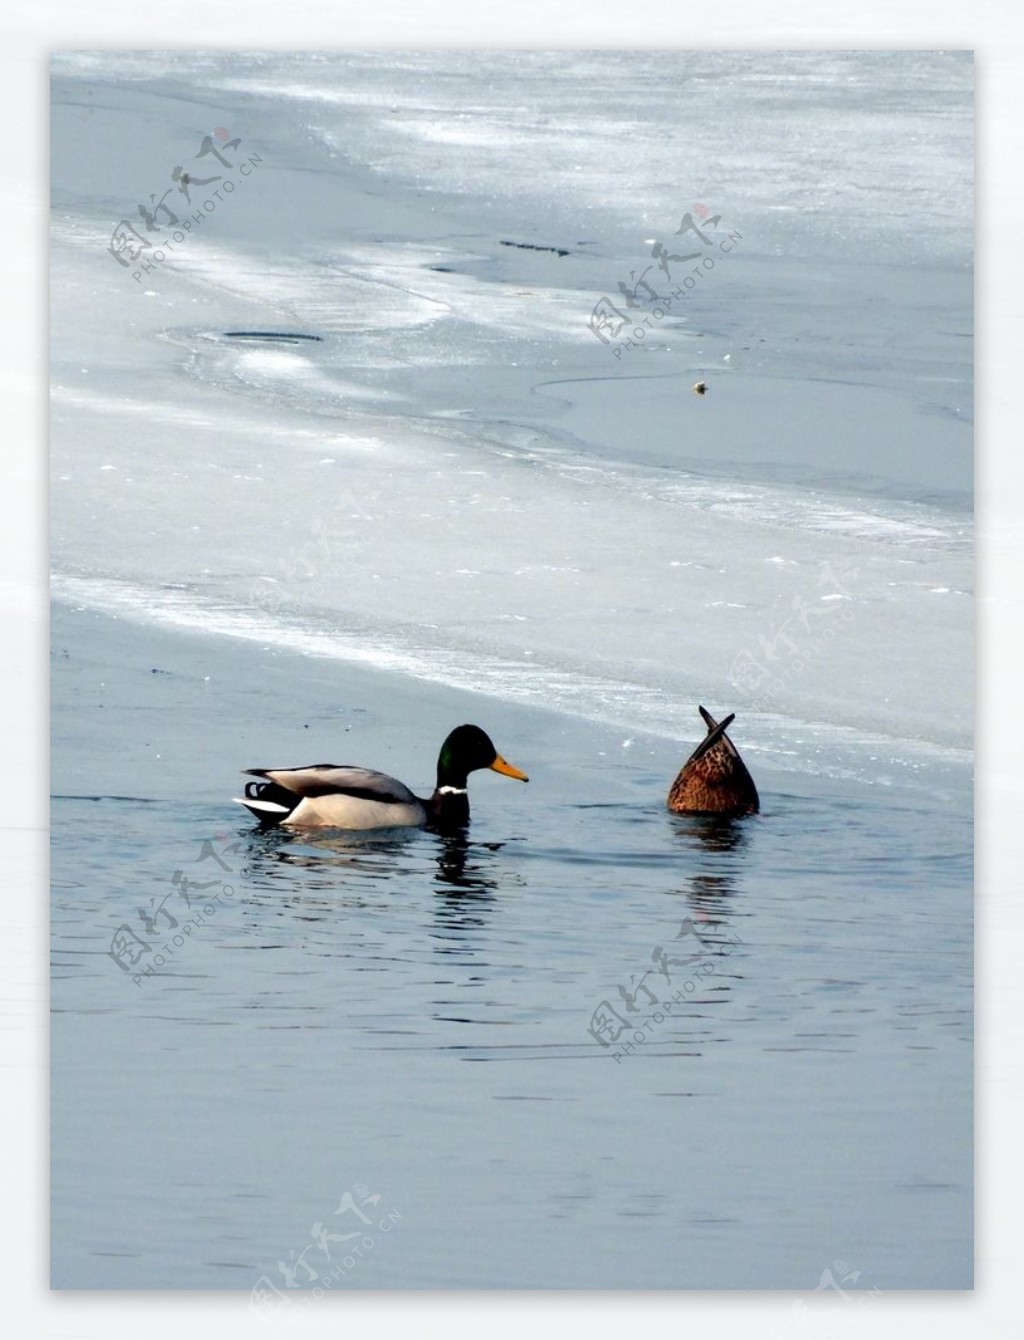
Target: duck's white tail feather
[(266, 806)]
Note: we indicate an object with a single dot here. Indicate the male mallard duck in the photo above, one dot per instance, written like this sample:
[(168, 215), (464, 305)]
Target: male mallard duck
[(327, 796), (714, 780)]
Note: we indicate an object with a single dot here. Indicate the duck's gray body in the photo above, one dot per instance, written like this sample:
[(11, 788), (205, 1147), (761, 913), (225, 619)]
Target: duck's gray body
[(328, 795)]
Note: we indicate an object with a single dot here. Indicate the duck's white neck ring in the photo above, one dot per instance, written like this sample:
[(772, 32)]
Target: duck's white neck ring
[(451, 791)]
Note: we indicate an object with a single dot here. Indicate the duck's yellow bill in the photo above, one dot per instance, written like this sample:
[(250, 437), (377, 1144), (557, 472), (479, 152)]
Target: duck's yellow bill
[(507, 770)]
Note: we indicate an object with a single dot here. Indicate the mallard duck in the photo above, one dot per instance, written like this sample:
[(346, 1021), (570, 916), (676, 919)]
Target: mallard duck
[(714, 779), (325, 795)]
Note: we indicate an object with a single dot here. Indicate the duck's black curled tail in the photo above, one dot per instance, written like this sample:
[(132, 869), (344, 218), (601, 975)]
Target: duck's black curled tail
[(268, 802)]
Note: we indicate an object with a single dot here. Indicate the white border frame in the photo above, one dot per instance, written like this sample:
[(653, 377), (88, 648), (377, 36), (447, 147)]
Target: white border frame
[(995, 33)]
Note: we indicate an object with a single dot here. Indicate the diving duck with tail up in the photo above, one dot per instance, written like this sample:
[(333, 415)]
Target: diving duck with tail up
[(714, 779)]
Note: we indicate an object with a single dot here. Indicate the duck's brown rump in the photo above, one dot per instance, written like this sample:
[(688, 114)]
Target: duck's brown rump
[(714, 779)]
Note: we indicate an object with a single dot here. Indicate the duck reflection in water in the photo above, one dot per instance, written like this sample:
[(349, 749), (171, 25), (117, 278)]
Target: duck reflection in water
[(710, 832), (466, 870), (457, 871), (723, 842), (470, 876), (274, 854)]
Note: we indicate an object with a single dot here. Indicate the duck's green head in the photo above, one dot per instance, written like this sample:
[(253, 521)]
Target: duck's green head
[(466, 750)]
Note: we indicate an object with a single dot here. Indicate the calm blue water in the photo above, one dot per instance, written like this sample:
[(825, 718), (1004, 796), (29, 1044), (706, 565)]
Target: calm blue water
[(410, 1014)]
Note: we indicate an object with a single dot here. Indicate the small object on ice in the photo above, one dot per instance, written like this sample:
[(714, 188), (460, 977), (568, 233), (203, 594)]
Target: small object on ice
[(700, 388), (325, 795), (532, 246), (714, 779), (272, 336)]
